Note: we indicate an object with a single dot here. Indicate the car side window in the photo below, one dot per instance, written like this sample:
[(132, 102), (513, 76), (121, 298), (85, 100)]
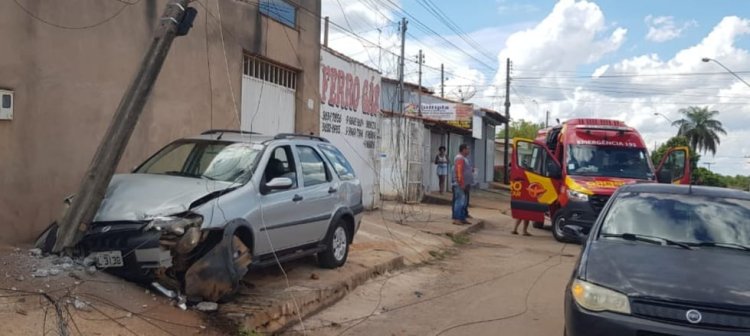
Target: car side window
[(281, 164), (314, 170), (340, 164)]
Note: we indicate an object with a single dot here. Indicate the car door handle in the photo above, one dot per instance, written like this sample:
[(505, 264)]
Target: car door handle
[(297, 198), (332, 190)]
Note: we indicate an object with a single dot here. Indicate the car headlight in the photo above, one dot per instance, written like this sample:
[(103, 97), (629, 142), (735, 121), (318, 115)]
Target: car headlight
[(175, 225), (596, 298), (577, 195)]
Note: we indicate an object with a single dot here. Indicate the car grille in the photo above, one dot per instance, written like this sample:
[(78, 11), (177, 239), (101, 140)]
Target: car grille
[(597, 202), (712, 318)]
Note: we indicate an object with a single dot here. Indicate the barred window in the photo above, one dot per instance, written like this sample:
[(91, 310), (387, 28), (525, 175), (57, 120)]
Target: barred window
[(258, 68)]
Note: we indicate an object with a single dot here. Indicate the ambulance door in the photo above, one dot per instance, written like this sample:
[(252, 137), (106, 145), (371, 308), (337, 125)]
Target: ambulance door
[(675, 166), (535, 178)]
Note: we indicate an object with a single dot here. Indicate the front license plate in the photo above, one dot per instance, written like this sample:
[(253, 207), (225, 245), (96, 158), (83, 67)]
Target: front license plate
[(108, 259)]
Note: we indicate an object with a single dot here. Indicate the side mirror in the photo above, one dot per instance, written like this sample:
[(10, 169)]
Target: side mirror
[(664, 176), (576, 232), (279, 183)]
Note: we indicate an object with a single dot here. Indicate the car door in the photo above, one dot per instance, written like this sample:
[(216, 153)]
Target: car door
[(319, 192), (674, 167), (282, 210), (535, 177)]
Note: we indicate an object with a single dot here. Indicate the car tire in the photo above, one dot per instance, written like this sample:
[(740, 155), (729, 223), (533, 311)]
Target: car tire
[(537, 225), (336, 247), (558, 222)]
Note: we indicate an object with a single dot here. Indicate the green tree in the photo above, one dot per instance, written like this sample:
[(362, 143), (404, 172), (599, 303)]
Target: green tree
[(701, 128), (521, 129), (677, 141), (706, 177)]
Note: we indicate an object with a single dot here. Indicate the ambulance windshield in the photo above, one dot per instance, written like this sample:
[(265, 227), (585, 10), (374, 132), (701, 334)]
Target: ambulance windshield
[(610, 161)]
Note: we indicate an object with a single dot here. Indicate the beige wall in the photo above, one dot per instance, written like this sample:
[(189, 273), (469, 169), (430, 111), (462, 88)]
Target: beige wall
[(68, 83)]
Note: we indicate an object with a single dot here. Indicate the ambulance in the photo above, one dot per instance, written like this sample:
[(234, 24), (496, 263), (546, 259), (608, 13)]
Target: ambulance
[(569, 172)]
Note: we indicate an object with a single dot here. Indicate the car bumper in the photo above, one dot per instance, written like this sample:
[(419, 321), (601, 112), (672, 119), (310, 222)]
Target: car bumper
[(141, 250), (581, 322), (581, 214)]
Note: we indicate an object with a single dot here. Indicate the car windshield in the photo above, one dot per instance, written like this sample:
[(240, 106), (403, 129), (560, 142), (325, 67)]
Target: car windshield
[(590, 160), (219, 161), (689, 219)]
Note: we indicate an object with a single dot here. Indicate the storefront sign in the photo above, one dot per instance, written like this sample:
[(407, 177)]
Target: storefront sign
[(455, 114)]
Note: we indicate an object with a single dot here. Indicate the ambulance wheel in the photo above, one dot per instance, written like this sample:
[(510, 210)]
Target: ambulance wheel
[(558, 223)]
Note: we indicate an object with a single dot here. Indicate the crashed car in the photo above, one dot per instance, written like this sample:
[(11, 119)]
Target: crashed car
[(203, 210)]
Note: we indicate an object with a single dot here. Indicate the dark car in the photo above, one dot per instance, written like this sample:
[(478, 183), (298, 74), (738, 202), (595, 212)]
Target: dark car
[(664, 260)]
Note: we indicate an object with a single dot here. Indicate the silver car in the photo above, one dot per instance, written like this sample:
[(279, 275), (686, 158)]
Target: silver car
[(196, 215)]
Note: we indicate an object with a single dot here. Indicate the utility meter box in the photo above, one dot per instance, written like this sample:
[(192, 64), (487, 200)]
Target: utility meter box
[(6, 105)]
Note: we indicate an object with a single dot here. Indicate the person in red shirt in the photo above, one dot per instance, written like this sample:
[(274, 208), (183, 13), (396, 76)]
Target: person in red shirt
[(462, 179)]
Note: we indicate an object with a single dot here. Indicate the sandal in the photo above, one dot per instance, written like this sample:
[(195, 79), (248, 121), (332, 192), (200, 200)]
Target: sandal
[(514, 232), (527, 234)]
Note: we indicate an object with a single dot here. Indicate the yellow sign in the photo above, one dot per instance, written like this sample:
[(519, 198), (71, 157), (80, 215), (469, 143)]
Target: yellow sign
[(605, 184)]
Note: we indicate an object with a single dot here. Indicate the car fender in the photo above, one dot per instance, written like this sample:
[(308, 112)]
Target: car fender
[(340, 213), (216, 274)]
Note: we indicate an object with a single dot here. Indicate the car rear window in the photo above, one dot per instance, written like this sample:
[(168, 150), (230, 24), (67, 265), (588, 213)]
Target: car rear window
[(678, 217), (340, 163)]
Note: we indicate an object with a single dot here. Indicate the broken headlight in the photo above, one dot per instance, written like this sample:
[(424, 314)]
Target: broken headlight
[(174, 225)]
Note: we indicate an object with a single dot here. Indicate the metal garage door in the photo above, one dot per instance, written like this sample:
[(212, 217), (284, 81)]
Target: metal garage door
[(268, 92)]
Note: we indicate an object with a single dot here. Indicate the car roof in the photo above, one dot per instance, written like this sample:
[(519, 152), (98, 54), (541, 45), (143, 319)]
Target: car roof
[(685, 190), (255, 138)]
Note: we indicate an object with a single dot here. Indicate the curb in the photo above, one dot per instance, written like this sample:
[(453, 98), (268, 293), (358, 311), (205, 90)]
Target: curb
[(282, 313), (430, 199)]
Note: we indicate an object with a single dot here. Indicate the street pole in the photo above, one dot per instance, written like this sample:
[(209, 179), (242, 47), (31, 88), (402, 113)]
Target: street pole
[(325, 31), (442, 81), (87, 200), (420, 59), (401, 68), (546, 120), (706, 59), (506, 178)]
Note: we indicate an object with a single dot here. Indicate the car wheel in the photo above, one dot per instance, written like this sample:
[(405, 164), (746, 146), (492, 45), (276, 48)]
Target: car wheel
[(537, 225), (337, 247), (241, 259), (558, 222)]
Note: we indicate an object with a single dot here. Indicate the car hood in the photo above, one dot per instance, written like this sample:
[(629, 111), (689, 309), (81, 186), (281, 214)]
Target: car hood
[(137, 197), (599, 185), (705, 275)]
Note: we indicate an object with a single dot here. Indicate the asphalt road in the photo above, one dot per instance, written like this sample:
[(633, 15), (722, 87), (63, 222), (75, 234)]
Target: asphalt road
[(496, 284)]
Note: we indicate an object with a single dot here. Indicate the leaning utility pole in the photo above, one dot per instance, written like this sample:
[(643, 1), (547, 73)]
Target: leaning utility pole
[(325, 31), (401, 68), (176, 21), (442, 81), (420, 60), (506, 178)]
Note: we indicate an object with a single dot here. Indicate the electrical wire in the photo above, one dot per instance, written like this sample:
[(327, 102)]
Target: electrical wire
[(60, 26)]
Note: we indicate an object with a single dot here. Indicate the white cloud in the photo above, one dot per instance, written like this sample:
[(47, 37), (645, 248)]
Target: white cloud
[(664, 28)]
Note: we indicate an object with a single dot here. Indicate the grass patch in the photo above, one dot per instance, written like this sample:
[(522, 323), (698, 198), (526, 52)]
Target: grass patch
[(460, 239), (245, 332)]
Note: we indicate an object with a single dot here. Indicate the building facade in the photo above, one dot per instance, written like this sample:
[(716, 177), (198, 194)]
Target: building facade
[(253, 64)]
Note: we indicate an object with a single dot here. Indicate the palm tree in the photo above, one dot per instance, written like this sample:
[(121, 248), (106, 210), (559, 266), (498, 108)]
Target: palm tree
[(700, 127)]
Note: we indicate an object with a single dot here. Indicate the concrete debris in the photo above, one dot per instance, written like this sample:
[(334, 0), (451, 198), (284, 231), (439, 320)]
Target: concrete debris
[(54, 271), (35, 252), (91, 270), (314, 276), (206, 306), (20, 278), (17, 249), (81, 305), (21, 312), (40, 273), (182, 302), (14, 289), (129, 315), (88, 261)]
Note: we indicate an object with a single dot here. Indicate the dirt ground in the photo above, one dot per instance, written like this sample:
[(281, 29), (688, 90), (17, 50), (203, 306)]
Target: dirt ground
[(496, 284), (82, 303)]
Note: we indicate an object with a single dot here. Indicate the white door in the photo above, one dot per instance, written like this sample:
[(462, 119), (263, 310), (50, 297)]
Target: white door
[(267, 108)]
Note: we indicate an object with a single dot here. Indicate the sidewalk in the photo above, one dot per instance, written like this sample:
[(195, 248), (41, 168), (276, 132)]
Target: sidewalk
[(486, 199)]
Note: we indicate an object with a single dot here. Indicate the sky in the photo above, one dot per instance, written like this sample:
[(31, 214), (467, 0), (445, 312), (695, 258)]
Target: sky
[(624, 60)]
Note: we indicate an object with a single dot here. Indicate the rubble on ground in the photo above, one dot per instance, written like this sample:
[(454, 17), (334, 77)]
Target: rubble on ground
[(207, 306)]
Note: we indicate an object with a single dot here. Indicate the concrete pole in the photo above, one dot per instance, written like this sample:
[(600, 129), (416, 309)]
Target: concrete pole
[(506, 178), (442, 81), (94, 185), (325, 31), (401, 68), (419, 97)]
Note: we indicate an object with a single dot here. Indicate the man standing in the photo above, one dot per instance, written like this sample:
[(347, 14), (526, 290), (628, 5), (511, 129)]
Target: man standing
[(462, 178)]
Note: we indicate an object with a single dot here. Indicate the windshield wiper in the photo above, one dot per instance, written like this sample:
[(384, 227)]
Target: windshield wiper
[(647, 239), (723, 245)]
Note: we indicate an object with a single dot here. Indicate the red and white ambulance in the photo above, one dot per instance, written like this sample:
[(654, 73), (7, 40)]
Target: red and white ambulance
[(569, 171)]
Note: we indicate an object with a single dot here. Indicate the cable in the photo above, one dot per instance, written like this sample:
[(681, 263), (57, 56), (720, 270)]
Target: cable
[(210, 81), (52, 24)]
